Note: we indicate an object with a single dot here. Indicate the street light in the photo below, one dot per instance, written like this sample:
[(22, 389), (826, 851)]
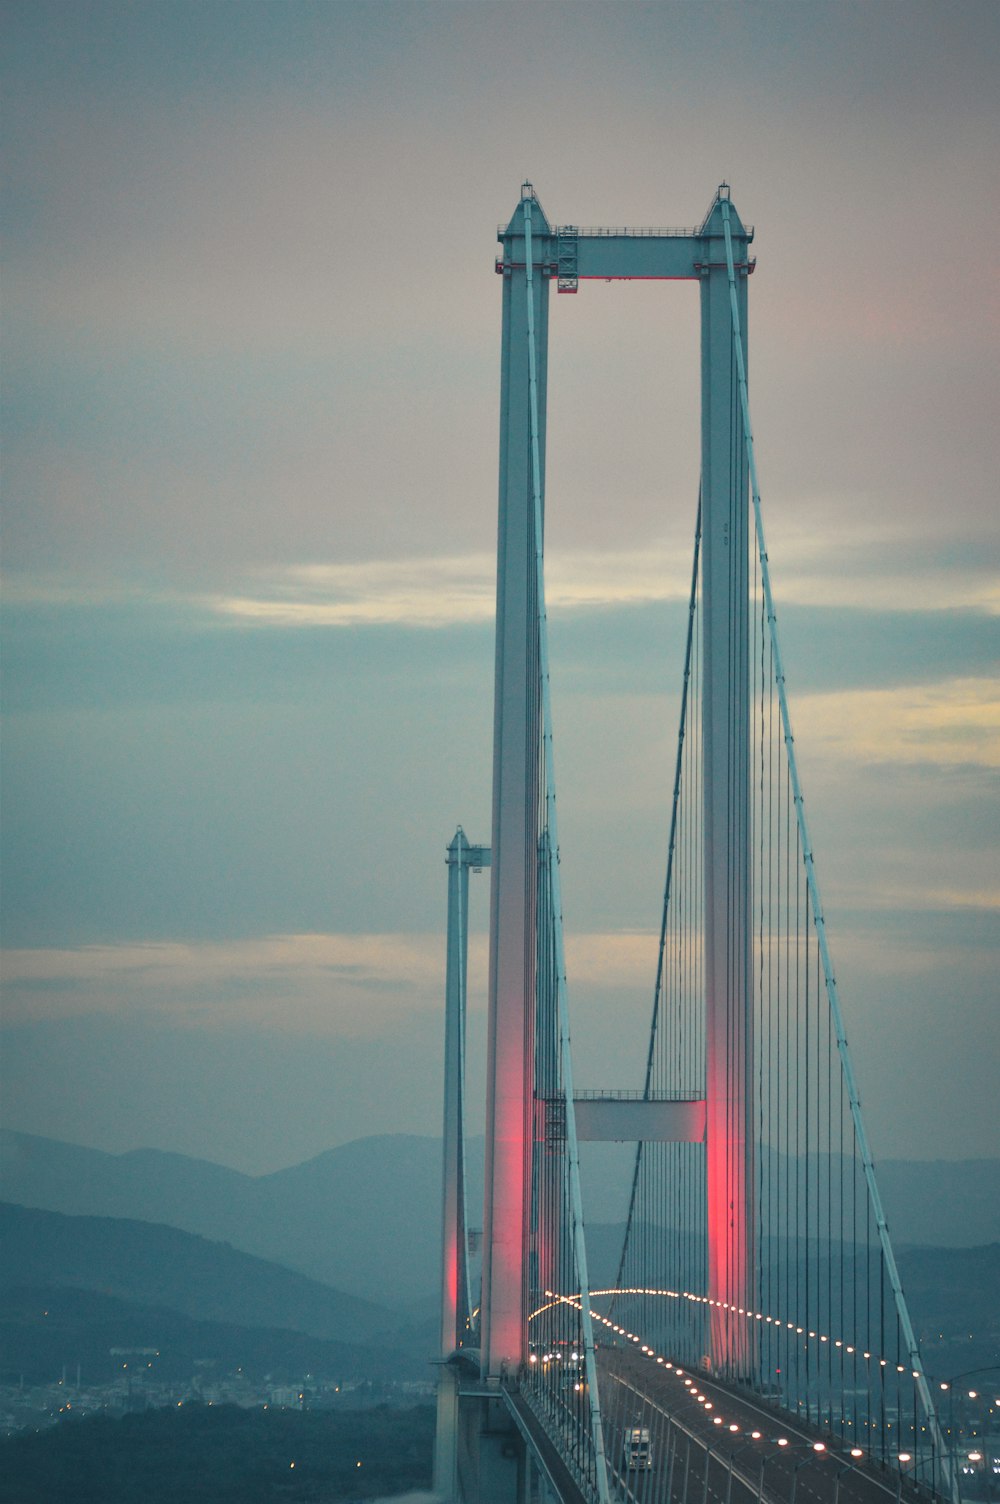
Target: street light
[(947, 1385), (672, 1434), (814, 1449), (755, 1436), (848, 1467), (904, 1458), (710, 1451), (802, 1462), (981, 1458), (694, 1399)]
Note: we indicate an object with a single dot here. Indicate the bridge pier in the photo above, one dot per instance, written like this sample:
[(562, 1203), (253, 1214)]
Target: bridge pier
[(445, 1473), (488, 1451), (492, 1466)]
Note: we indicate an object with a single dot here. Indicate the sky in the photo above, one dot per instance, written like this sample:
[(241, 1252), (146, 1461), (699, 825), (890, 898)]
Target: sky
[(250, 421)]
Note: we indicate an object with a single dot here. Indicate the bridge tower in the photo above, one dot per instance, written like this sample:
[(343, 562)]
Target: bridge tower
[(568, 255), (483, 1449), (523, 1421)]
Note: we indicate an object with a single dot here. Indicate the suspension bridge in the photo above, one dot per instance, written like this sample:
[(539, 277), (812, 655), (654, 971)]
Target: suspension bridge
[(755, 1343)]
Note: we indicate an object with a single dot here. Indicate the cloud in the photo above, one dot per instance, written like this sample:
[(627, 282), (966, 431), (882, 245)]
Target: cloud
[(417, 592), (435, 592), (916, 899), (877, 567), (953, 723), (611, 959), (443, 591), (347, 986), (352, 986)]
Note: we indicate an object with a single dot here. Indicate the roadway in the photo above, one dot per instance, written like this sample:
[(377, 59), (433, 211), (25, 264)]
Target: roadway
[(637, 1391)]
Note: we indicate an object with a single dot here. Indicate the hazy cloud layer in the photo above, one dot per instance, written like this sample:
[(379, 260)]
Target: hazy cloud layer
[(350, 986), (877, 572), (250, 438), (348, 1030)]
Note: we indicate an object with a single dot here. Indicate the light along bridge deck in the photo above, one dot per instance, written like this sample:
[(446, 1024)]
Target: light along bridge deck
[(744, 1464)]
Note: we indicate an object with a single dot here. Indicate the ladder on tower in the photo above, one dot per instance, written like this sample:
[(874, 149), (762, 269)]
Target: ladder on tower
[(566, 277)]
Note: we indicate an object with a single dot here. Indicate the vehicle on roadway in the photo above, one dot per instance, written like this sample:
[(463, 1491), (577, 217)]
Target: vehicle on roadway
[(638, 1450)]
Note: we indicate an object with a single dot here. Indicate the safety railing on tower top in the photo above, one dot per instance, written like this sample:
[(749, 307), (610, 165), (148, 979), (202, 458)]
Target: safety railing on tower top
[(648, 231)]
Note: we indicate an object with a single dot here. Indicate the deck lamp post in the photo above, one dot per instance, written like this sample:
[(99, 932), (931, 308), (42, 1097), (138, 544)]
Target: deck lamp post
[(947, 1385), (755, 1436), (814, 1450), (848, 1467), (695, 1401)]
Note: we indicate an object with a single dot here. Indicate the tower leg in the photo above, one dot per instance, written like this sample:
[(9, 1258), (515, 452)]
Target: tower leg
[(454, 1238), (726, 741), (513, 893)]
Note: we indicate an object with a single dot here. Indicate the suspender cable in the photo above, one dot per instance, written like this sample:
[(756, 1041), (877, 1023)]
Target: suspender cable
[(902, 1311), (572, 1147), (668, 885)]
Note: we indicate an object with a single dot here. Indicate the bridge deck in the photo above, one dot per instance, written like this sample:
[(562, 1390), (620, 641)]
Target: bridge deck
[(634, 1388), (547, 1455)]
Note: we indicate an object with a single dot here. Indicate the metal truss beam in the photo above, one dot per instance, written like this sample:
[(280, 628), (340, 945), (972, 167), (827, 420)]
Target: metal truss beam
[(609, 1119)]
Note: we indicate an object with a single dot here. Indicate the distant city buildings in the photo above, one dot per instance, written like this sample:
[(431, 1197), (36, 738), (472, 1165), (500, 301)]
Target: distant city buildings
[(34, 1406)]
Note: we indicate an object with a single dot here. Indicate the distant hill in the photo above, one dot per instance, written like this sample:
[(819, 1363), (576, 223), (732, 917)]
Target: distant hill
[(161, 1266), (953, 1295), (364, 1217), (146, 1184), (942, 1203), (95, 1275), (47, 1331)]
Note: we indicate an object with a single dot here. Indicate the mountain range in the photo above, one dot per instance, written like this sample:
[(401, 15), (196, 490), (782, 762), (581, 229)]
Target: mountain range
[(332, 1265), (365, 1217), (72, 1288), (155, 1265), (51, 1329)]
